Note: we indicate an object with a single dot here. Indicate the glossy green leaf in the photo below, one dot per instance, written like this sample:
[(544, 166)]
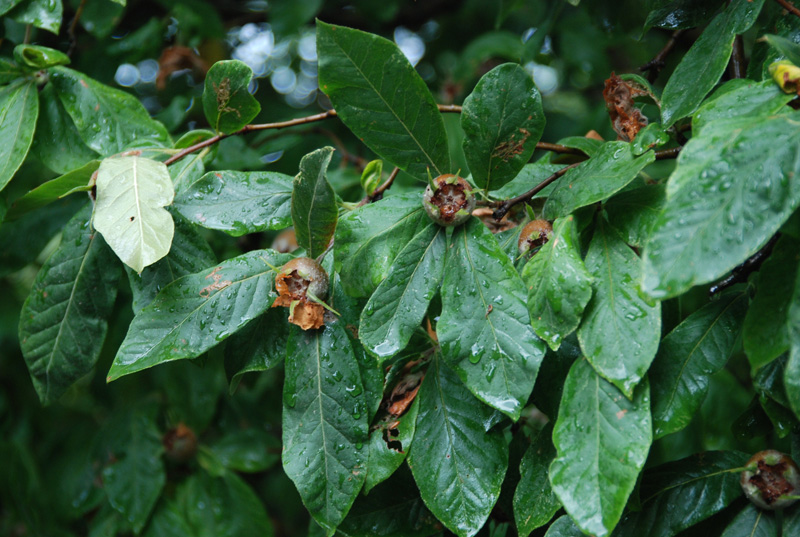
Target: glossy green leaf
[(46, 193), (650, 137), (722, 204), (752, 522), (696, 349), (19, 108), (39, 57), (194, 313), (134, 483), (502, 120), (380, 97), (314, 210), (389, 446), (369, 238), (227, 102), (559, 286), (765, 335), (619, 333), (785, 47), (324, 422), (57, 142), (9, 71), (63, 322), (259, 346), (484, 329), (602, 440), (6, 5), (678, 14), (44, 14), (701, 67), (607, 172), (99, 112), (458, 466), (248, 450), (530, 176), (633, 213), (188, 254), (564, 526), (535, 503), (740, 97), (230, 509), (679, 494), (238, 202), (397, 307), (131, 195)]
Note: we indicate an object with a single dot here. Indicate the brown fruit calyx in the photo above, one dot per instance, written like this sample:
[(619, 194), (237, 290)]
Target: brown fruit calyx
[(180, 443), (770, 476), (533, 236), (451, 203), (301, 284)]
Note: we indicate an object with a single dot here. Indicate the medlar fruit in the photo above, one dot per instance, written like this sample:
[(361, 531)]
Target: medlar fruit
[(451, 203), (770, 477)]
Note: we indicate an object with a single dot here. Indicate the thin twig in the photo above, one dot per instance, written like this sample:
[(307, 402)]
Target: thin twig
[(743, 271), (738, 64), (504, 206), (73, 40), (27, 38), (557, 148), (378, 193), (666, 154), (788, 6), (654, 66)]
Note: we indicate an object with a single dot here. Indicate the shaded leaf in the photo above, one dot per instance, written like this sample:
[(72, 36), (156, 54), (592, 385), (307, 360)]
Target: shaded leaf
[(602, 440), (535, 503), (380, 97), (619, 333), (752, 522), (564, 527), (131, 195), (633, 213), (389, 445), (502, 120), (247, 450), (457, 465), (259, 346), (740, 97), (696, 349), (530, 176), (324, 422), (397, 307), (195, 312), (484, 329), (238, 202), (63, 321), (19, 108), (314, 210), (46, 193), (227, 102), (559, 286)]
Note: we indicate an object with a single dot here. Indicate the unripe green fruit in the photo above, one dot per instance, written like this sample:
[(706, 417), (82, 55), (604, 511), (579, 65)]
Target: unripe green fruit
[(304, 275), (451, 203), (533, 236), (770, 476)]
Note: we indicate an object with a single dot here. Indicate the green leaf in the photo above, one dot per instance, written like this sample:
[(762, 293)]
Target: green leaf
[(535, 503), (388, 447), (701, 68), (46, 193), (389, 109), (324, 422), (247, 450), (238, 202), (458, 466), (679, 494), (227, 103), (195, 312), (652, 136), (564, 527), (765, 334), (740, 97), (188, 254), (792, 372), (44, 14), (39, 57), (722, 204), (230, 508), (602, 440), (607, 172), (397, 307), (369, 238), (314, 210), (63, 322), (484, 329), (785, 47), (696, 349), (131, 195), (752, 522), (9, 71), (57, 142), (108, 120), (19, 108), (633, 213), (134, 483), (191, 168), (502, 120), (530, 176), (559, 286), (259, 346), (620, 331), (6, 5)]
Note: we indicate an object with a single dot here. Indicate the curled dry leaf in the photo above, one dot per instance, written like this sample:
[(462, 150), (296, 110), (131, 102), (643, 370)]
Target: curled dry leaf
[(293, 283), (626, 118)]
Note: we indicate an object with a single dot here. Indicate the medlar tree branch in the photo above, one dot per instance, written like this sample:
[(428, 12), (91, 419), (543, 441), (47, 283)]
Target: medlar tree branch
[(788, 6)]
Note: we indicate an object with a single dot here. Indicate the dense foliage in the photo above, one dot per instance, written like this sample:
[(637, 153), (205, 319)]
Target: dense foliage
[(590, 333)]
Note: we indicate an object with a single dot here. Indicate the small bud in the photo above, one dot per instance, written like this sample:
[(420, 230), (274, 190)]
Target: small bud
[(371, 176)]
